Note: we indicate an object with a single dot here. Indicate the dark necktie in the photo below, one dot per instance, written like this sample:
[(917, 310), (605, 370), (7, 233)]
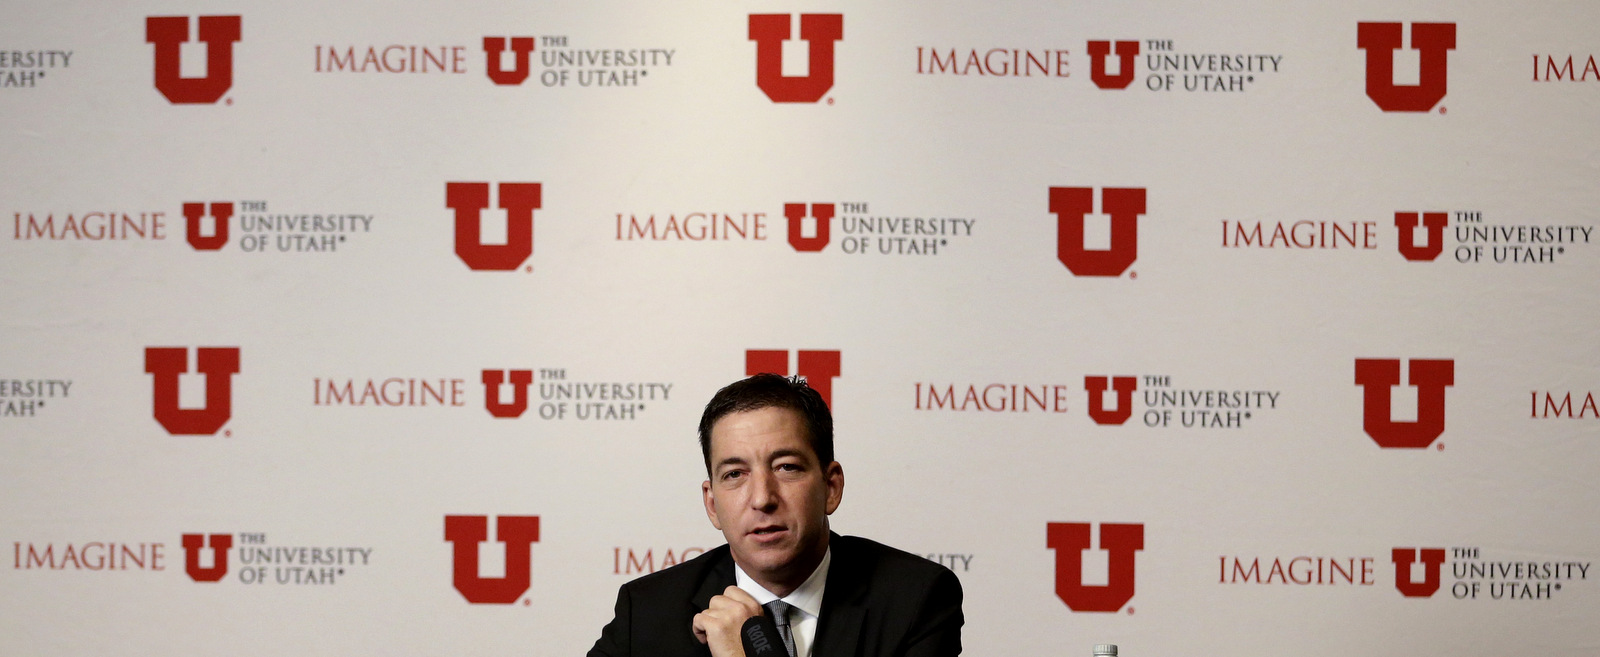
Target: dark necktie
[(780, 617)]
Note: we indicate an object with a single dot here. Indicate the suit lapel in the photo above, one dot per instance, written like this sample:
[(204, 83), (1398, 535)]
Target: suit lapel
[(843, 604), (718, 579), (838, 630)]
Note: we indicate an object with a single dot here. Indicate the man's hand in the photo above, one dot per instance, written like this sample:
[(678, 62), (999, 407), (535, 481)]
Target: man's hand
[(719, 625)]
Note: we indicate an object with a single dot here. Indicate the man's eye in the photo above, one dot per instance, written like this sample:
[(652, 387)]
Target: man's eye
[(732, 474), (789, 467)]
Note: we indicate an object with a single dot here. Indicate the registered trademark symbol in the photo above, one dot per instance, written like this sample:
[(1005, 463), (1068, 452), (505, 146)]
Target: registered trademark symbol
[(1441, 111), (228, 433), (41, 404), (229, 101), (341, 238), (529, 269), (641, 407), (1441, 447), (1247, 415), (1558, 587), (1133, 274), (341, 571), (1130, 611), (1559, 249), (527, 602), (830, 101)]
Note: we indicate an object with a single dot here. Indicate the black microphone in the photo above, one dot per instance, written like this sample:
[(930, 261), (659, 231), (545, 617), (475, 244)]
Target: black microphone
[(761, 638)]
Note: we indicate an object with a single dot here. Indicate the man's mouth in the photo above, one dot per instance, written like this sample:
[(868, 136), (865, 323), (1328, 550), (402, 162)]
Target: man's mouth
[(766, 531)]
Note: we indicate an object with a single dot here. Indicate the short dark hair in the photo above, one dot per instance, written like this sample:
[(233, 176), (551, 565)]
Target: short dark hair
[(771, 391)]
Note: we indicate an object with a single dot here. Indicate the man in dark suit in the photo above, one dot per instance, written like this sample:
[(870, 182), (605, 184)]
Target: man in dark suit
[(772, 482)]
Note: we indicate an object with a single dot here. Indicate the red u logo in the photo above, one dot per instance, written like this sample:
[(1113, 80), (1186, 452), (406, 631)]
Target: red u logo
[(493, 46), (518, 533), (819, 368), (1096, 386), (1429, 377), (469, 200), (1072, 205), (1127, 51), (520, 380), (193, 544), (218, 364), (194, 212), (769, 31), (1431, 40), (1431, 560), (169, 32), (1407, 223), (796, 213), (1070, 539)]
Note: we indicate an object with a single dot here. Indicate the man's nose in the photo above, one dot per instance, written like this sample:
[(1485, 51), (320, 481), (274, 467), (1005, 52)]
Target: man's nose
[(764, 492)]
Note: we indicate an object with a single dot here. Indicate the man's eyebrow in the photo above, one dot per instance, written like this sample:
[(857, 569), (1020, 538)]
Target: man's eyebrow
[(776, 454), (800, 453)]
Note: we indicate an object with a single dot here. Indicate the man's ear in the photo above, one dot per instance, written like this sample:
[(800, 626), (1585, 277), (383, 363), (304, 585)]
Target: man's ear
[(711, 504), (835, 478)]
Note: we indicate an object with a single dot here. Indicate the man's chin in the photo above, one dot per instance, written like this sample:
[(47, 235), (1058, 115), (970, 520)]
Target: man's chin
[(766, 558)]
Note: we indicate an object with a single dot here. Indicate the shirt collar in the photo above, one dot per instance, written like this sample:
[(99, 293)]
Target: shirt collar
[(807, 598)]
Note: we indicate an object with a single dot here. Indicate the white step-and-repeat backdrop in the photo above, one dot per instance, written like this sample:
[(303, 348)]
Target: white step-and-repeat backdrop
[(1244, 328)]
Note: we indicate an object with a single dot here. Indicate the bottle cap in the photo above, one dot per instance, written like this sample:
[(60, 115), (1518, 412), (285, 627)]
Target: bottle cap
[(1105, 650)]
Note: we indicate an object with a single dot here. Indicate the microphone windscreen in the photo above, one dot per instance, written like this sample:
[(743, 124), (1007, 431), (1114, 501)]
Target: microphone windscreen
[(761, 639)]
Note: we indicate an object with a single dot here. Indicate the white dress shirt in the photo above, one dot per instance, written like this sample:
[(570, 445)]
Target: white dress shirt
[(806, 600)]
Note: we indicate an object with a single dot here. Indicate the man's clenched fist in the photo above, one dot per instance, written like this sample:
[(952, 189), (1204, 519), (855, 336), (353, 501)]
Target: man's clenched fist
[(719, 625)]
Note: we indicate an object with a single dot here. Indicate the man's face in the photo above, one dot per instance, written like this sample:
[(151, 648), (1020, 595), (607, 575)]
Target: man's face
[(770, 496)]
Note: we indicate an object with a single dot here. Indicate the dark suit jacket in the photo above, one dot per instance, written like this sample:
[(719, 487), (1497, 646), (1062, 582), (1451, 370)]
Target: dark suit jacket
[(879, 602)]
